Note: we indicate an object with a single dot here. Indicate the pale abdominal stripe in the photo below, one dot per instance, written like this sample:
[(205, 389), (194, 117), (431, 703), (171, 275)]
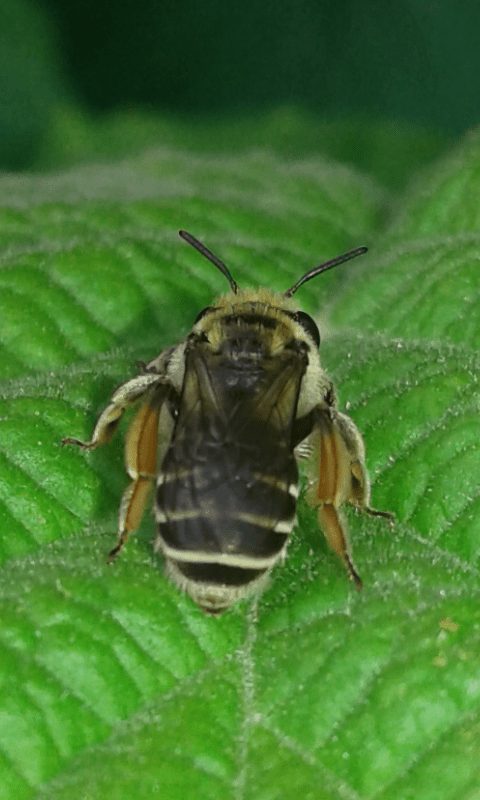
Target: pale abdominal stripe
[(292, 489), (282, 526), (226, 559)]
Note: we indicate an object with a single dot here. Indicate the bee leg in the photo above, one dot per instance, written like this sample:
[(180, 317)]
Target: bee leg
[(132, 509), (333, 525), (342, 478), (125, 396), (374, 512), (332, 483), (141, 461), (360, 488)]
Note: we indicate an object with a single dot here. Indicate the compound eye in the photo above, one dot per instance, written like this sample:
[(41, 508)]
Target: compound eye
[(203, 314), (308, 325)]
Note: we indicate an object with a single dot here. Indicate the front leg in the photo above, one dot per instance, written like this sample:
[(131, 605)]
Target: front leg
[(125, 396), (141, 445)]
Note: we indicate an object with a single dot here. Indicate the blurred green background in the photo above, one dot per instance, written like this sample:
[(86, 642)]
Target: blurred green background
[(411, 62)]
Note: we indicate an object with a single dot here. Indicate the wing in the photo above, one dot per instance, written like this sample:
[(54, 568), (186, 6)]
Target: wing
[(221, 398)]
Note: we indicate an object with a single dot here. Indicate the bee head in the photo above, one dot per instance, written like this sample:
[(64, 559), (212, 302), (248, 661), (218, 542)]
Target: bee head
[(257, 321), (261, 307)]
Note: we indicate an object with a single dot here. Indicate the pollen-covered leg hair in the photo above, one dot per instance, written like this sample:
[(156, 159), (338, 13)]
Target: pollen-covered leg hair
[(127, 395), (141, 461)]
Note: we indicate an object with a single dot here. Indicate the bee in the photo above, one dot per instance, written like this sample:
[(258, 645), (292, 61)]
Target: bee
[(226, 416)]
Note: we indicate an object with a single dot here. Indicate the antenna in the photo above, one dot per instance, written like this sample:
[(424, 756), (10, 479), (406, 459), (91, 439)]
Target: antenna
[(312, 273), (206, 252)]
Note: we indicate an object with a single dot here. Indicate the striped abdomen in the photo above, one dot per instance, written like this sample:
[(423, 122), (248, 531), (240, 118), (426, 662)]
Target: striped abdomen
[(224, 513)]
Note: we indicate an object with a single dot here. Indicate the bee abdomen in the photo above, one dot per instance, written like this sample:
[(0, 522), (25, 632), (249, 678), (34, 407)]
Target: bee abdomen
[(214, 551)]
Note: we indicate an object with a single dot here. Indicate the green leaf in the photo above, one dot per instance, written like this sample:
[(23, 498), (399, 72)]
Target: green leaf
[(113, 683)]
